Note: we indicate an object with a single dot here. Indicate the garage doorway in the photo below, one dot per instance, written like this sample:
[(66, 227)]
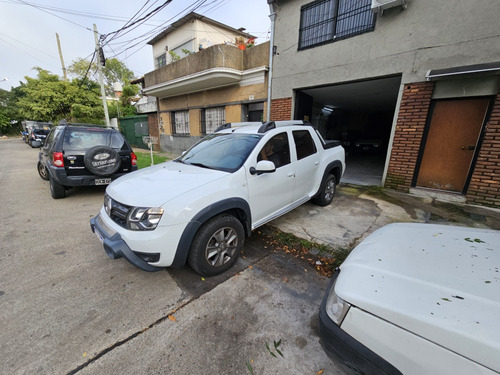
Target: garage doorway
[(451, 141), (359, 114)]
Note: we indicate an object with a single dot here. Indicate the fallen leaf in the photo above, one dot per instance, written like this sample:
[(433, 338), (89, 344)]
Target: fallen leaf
[(85, 354), (172, 318), (202, 279), (320, 372)]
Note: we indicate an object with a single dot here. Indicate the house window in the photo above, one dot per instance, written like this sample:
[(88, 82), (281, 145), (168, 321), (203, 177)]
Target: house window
[(161, 61), (180, 122), (212, 118), (325, 21)]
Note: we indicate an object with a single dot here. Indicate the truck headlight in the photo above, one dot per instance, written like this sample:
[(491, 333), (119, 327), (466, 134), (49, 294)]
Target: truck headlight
[(336, 307), (144, 218)]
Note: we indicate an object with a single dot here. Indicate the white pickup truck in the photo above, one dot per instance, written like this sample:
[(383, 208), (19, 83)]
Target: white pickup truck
[(201, 206)]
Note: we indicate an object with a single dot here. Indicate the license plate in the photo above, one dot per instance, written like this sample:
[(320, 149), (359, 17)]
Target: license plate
[(99, 236), (103, 181)]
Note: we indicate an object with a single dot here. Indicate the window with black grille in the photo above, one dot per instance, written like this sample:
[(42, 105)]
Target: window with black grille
[(325, 21), (180, 122)]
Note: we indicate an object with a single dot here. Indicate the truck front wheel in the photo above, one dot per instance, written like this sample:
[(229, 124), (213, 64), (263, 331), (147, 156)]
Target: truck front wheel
[(217, 245)]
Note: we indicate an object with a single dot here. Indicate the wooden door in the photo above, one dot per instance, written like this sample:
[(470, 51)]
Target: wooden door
[(451, 141)]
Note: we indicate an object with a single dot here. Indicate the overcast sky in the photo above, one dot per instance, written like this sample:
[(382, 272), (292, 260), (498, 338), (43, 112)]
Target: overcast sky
[(28, 30)]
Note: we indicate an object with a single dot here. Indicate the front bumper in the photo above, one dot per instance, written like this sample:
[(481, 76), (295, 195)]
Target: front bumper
[(116, 247), (340, 346)]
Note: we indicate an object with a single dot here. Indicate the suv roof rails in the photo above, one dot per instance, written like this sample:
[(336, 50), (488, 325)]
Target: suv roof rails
[(265, 126), (65, 123), (230, 125)]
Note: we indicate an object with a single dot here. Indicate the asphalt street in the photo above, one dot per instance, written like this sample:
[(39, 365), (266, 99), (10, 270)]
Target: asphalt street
[(66, 308)]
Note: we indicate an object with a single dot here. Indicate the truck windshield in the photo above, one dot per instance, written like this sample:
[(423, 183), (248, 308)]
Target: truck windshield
[(225, 152)]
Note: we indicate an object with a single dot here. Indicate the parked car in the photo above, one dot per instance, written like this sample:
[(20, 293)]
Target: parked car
[(417, 299), (201, 206), (36, 137), (84, 155)]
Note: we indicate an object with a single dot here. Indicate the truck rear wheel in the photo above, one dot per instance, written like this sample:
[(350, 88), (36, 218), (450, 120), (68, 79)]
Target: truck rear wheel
[(217, 245), (326, 191)]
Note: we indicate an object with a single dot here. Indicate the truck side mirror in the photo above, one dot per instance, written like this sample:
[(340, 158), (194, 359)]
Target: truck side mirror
[(263, 166)]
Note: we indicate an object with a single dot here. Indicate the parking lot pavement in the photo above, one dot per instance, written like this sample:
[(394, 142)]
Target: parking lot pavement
[(66, 308)]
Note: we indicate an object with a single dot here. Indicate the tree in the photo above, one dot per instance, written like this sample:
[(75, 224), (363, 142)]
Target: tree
[(114, 71), (48, 98), (10, 117)]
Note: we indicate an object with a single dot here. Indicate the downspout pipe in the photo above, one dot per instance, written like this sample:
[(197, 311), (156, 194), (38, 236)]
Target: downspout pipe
[(272, 16)]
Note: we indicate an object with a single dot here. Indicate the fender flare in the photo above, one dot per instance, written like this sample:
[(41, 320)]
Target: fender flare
[(335, 166), (203, 216)]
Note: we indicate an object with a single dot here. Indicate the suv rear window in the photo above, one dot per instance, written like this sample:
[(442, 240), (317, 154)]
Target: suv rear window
[(82, 139)]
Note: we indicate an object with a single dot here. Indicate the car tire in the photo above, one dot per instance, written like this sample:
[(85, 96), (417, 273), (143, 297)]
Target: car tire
[(42, 171), (326, 192), (217, 245), (57, 191), (102, 160)]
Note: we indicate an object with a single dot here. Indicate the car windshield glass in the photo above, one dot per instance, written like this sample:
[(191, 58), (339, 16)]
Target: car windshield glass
[(82, 139), (225, 152)]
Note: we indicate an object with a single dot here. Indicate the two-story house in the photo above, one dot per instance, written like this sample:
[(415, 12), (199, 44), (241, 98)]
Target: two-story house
[(411, 87), (206, 73)]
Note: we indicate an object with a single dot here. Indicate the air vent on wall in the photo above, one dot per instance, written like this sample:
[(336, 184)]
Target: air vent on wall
[(378, 6)]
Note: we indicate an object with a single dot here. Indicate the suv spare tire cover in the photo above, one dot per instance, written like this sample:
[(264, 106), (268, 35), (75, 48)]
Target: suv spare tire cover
[(102, 160)]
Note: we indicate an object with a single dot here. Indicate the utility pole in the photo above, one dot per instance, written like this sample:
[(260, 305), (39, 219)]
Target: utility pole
[(61, 57), (99, 70)]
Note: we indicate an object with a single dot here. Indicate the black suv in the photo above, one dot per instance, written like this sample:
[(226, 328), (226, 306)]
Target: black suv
[(83, 155)]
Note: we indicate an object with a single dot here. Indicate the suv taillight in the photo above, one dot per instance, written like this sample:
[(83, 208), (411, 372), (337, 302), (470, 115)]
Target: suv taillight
[(133, 158), (57, 159)]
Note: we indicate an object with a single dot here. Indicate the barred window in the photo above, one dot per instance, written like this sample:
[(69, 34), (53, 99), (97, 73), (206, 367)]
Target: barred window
[(212, 118), (180, 122), (325, 21)]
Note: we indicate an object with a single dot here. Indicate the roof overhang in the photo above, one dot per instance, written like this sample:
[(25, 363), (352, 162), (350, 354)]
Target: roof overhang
[(206, 80), (483, 69)]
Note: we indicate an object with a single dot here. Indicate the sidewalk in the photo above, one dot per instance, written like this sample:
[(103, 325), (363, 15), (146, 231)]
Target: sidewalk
[(357, 211)]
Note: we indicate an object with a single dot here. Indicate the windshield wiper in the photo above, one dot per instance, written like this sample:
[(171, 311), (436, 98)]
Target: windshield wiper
[(201, 165)]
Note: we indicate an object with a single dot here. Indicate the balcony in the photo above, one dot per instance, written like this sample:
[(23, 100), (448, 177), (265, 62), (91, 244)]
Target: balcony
[(217, 66)]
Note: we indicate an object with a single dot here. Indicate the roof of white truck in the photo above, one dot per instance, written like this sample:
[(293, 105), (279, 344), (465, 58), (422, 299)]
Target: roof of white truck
[(258, 127)]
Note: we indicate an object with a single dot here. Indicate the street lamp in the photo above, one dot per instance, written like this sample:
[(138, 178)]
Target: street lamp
[(5, 79)]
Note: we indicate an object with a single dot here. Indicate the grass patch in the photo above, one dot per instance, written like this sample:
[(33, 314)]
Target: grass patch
[(325, 259), (144, 159)]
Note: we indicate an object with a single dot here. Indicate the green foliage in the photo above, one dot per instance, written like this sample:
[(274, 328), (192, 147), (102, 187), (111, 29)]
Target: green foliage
[(114, 71), (174, 56), (48, 98), (186, 51)]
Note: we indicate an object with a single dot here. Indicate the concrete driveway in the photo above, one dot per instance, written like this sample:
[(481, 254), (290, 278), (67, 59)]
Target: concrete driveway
[(66, 308)]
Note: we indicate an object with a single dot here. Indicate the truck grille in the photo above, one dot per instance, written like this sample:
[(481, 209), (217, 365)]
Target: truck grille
[(118, 212)]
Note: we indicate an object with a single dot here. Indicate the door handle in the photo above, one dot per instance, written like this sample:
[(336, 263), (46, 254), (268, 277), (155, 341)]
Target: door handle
[(291, 174)]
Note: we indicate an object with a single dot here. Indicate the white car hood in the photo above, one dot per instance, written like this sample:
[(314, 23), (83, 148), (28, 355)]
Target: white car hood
[(154, 186), (440, 282)]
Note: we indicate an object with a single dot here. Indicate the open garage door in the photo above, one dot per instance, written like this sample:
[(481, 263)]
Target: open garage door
[(360, 114)]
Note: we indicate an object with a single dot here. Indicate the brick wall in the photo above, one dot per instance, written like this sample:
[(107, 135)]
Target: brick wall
[(484, 187), (410, 126), (281, 109)]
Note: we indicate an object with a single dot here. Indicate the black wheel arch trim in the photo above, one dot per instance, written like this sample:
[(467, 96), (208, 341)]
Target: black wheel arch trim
[(202, 217), (336, 168)]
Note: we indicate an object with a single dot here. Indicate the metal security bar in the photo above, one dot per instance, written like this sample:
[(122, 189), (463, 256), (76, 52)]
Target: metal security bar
[(213, 118), (180, 122), (326, 21)]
